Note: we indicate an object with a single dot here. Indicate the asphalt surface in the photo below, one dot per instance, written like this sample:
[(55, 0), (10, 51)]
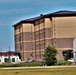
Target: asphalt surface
[(40, 67)]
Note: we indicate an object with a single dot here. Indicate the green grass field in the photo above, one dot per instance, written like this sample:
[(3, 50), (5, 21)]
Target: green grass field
[(51, 71)]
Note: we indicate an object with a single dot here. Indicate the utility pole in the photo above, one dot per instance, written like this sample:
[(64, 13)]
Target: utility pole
[(9, 54), (1, 55)]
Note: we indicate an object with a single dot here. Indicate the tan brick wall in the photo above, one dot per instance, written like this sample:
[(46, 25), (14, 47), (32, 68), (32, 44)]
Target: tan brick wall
[(47, 23), (65, 27), (59, 32), (27, 27)]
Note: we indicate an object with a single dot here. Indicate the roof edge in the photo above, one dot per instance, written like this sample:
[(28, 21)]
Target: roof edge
[(62, 13)]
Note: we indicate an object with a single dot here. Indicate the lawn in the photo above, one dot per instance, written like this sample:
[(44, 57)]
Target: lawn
[(48, 71)]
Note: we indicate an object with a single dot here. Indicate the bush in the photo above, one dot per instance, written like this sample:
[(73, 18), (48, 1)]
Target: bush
[(63, 62), (22, 64)]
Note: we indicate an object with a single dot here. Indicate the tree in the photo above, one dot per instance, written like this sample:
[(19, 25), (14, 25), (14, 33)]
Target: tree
[(50, 56)]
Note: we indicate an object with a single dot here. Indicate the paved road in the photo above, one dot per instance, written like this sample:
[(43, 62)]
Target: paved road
[(40, 67)]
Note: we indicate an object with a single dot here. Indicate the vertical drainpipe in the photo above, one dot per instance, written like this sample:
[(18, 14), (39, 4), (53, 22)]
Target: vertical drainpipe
[(22, 42), (54, 34), (35, 40), (39, 41), (52, 31), (44, 33), (31, 42), (19, 38), (15, 39)]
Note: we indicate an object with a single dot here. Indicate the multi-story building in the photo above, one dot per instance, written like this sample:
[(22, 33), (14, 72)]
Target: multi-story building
[(33, 35)]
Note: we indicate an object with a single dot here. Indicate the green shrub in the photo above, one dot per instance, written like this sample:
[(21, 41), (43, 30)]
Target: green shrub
[(22, 64), (63, 62)]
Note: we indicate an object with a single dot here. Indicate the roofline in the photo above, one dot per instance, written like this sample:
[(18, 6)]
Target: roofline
[(54, 14), (59, 15), (23, 21)]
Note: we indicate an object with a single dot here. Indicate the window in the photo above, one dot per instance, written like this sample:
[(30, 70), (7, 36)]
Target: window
[(13, 59), (6, 60)]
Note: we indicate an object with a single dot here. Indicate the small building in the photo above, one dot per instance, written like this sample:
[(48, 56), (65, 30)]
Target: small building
[(9, 57)]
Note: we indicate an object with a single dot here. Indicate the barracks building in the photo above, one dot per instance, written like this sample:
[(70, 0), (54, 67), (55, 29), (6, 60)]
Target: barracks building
[(33, 35)]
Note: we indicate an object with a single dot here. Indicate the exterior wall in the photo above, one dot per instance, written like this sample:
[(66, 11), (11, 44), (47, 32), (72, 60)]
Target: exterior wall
[(39, 39), (16, 58), (48, 34), (18, 33), (28, 34), (32, 39), (65, 27), (24, 40), (63, 33)]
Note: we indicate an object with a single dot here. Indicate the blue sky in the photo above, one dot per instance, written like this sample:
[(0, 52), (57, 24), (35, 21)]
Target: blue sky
[(12, 11)]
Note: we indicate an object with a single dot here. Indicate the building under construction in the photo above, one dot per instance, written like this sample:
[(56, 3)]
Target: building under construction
[(33, 35)]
